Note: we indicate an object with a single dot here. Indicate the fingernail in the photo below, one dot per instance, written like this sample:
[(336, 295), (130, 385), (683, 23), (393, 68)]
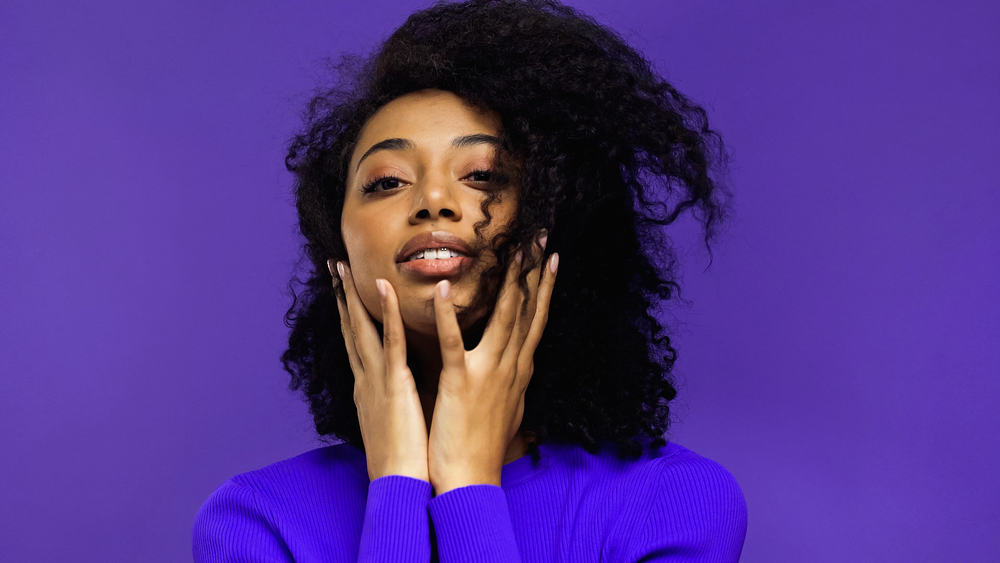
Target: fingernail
[(517, 257), (543, 238), (380, 284), (340, 268), (554, 263), (444, 288), (333, 276)]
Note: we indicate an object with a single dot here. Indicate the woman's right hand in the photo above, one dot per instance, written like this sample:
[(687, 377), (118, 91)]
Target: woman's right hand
[(389, 410)]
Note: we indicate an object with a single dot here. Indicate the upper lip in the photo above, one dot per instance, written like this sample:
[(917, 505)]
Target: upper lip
[(435, 239)]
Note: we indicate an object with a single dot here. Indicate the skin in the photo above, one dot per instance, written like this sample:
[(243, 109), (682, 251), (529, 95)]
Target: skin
[(470, 402), (434, 192)]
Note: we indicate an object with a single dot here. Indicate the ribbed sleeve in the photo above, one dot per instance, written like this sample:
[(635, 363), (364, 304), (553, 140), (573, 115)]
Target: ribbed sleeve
[(573, 505), (232, 525), (693, 511), (472, 523), (396, 527)]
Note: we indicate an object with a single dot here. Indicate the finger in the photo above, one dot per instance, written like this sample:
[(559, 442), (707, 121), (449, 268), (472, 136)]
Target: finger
[(393, 337), (345, 328), (526, 305), (497, 333), (449, 333), (366, 338), (541, 318), (352, 353), (526, 310)]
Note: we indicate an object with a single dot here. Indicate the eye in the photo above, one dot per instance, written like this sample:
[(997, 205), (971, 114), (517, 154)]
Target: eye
[(481, 175), (492, 178), (387, 182), (390, 182)]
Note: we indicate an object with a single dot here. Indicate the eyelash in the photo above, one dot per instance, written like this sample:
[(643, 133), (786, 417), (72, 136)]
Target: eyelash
[(370, 186)]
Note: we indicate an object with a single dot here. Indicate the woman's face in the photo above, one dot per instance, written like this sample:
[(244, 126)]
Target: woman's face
[(420, 167)]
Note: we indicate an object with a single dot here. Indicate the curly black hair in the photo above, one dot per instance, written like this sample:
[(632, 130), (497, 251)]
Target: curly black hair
[(600, 145)]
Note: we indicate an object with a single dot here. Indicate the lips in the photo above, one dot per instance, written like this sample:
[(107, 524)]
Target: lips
[(435, 239), (428, 270)]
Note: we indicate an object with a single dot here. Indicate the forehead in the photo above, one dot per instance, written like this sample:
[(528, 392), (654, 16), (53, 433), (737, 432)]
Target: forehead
[(426, 117)]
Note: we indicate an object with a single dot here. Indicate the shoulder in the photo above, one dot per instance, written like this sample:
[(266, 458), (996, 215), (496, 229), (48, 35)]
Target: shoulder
[(682, 502), (705, 481), (681, 476), (234, 524), (253, 504), (669, 468), (337, 458), (330, 464)]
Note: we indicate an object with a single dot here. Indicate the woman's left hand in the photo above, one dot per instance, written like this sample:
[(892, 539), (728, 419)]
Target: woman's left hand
[(480, 396)]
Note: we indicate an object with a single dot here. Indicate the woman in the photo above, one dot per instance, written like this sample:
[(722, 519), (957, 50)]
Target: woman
[(485, 148)]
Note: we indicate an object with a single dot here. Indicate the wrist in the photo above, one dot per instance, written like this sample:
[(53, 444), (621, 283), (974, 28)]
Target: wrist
[(454, 481)]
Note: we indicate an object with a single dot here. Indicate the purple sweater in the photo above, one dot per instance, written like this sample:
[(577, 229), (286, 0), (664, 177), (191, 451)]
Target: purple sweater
[(671, 505)]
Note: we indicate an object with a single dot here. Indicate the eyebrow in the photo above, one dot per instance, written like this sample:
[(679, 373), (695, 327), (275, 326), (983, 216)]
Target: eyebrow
[(397, 144)]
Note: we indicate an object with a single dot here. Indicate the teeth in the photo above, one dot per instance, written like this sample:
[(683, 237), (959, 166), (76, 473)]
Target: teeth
[(434, 254)]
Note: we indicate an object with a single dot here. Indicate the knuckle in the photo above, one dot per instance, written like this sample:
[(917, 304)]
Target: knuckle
[(452, 341), (362, 391), (394, 377)]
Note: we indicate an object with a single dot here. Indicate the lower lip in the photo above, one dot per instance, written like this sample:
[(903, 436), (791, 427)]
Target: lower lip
[(437, 268)]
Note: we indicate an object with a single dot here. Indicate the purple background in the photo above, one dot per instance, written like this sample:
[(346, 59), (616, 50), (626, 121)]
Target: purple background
[(837, 357)]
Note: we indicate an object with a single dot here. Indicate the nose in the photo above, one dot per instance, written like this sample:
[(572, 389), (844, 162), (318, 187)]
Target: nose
[(435, 198)]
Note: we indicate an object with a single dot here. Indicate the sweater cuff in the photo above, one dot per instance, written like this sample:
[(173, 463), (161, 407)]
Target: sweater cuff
[(472, 523), (395, 526)]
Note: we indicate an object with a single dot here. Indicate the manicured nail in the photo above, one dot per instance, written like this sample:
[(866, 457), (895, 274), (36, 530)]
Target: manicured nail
[(380, 284), (340, 268), (333, 276), (444, 288), (543, 238), (554, 263)]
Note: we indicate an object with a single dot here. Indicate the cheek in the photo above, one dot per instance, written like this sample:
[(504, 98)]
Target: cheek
[(355, 235), (360, 242), (504, 211), (371, 299), (364, 283)]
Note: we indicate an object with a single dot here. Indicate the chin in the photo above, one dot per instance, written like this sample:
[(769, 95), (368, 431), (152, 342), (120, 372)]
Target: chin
[(421, 320)]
